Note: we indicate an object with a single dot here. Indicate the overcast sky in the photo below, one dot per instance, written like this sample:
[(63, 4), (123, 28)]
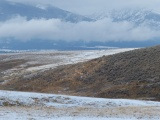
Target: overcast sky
[(89, 6)]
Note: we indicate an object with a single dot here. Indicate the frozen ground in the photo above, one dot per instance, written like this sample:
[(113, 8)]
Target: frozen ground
[(37, 106)]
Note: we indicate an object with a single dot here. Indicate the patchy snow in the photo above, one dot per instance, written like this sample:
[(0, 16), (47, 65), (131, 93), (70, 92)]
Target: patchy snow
[(71, 57), (39, 61), (27, 99), (37, 106)]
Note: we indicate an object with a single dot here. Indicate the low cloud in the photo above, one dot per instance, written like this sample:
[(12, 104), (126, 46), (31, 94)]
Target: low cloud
[(54, 29)]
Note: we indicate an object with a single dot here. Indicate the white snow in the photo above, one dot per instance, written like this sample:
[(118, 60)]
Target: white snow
[(27, 98), (38, 106)]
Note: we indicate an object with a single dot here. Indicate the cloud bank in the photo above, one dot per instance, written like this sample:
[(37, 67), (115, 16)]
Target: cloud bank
[(54, 29)]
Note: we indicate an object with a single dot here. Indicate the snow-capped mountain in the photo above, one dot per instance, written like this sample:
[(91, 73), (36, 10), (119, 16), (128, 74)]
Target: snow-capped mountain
[(137, 16), (10, 9)]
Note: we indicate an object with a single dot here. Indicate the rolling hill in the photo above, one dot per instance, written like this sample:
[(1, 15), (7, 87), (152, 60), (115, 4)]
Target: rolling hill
[(133, 74)]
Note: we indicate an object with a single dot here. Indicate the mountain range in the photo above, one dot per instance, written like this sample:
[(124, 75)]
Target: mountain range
[(139, 17)]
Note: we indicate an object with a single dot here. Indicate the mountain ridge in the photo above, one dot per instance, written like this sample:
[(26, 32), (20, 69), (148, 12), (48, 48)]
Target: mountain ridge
[(10, 9), (143, 17)]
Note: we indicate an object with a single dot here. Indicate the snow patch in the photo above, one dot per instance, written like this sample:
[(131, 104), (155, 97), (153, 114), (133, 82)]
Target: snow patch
[(37, 106)]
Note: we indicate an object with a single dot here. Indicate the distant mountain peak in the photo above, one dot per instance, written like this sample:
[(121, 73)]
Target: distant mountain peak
[(145, 17)]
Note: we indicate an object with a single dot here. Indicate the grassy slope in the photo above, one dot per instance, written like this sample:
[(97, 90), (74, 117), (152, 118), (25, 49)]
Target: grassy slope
[(133, 74)]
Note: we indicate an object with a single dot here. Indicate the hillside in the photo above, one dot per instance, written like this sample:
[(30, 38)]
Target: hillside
[(133, 74)]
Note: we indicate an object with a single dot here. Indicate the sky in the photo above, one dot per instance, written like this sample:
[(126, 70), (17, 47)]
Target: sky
[(100, 30)]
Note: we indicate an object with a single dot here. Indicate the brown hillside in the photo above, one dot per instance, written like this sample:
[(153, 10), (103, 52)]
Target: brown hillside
[(133, 74)]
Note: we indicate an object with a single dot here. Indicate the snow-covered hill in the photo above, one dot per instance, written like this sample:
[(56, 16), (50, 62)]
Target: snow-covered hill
[(37, 106)]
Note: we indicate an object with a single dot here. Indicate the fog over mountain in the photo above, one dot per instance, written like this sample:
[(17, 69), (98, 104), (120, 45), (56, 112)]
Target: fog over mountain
[(38, 24)]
